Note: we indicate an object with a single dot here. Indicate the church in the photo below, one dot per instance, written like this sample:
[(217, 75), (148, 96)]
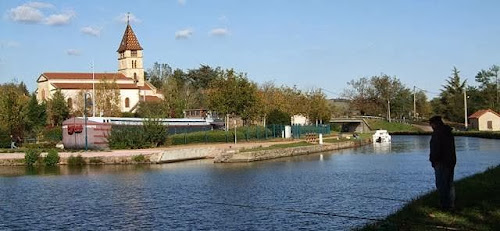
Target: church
[(129, 78)]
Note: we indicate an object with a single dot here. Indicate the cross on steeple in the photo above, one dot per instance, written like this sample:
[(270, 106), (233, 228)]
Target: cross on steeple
[(128, 17)]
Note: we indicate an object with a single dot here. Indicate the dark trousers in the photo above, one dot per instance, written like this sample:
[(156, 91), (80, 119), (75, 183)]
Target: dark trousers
[(444, 184)]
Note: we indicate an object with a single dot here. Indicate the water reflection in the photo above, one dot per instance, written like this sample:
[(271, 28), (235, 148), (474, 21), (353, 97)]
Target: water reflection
[(369, 181)]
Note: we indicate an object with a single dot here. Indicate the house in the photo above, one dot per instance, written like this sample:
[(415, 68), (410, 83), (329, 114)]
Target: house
[(485, 120), (130, 80)]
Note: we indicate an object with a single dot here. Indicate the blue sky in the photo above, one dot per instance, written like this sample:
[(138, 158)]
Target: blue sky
[(309, 44)]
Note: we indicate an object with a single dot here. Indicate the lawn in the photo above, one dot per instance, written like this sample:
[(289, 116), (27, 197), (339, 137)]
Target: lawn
[(391, 126), (477, 208)]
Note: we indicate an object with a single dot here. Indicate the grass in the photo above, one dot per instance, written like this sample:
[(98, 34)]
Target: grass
[(477, 208), (391, 127), (278, 146)]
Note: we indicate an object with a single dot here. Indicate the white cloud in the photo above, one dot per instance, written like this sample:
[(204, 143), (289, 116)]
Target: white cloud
[(183, 34), (31, 12), (181, 2), (219, 32), (25, 14), (123, 18), (91, 31), (9, 44), (39, 5), (73, 52), (60, 19), (223, 18)]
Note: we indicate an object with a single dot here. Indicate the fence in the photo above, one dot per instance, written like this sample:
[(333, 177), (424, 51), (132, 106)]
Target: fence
[(248, 133), (298, 131)]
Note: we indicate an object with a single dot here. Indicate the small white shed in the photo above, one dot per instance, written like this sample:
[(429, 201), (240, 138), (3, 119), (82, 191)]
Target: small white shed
[(485, 120)]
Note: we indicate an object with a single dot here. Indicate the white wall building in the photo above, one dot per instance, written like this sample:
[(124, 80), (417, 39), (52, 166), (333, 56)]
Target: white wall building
[(485, 120), (129, 78)]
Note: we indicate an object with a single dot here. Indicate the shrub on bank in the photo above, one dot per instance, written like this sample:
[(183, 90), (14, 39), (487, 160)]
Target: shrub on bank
[(76, 160), (219, 136), (52, 158), (139, 158), (53, 135), (151, 134), (95, 160), (31, 156), (127, 137)]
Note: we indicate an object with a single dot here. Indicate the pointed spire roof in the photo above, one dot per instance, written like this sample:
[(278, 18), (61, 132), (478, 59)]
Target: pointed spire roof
[(129, 41)]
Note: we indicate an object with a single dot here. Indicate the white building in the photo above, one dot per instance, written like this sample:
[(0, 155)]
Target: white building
[(129, 78), (485, 120)]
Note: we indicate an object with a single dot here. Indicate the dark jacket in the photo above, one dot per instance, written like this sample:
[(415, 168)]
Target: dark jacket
[(443, 147)]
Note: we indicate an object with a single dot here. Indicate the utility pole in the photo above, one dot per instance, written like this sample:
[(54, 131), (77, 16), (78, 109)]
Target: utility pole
[(93, 90), (389, 110), (465, 107), (414, 104)]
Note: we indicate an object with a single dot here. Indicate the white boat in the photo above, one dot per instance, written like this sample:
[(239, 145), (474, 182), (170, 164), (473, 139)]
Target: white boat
[(381, 136)]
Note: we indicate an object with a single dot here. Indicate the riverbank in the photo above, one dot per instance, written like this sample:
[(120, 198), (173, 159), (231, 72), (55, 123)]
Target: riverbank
[(477, 208), (482, 134), (238, 156), (156, 155)]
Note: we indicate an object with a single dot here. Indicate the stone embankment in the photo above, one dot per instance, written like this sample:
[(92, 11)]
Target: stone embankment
[(221, 153), (235, 156)]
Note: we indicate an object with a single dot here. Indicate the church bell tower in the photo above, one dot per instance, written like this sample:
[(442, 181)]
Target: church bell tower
[(130, 57)]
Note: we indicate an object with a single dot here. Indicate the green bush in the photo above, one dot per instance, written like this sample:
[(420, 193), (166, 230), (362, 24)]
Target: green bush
[(218, 136), (127, 137), (139, 158), (95, 160), (53, 134), (4, 138), (31, 156), (52, 158), (155, 133), (76, 160), (278, 117)]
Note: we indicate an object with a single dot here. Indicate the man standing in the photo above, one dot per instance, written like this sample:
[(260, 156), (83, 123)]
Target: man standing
[(443, 159)]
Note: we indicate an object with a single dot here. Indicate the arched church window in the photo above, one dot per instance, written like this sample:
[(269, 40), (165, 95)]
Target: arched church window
[(43, 94), (135, 77), (70, 103), (127, 102)]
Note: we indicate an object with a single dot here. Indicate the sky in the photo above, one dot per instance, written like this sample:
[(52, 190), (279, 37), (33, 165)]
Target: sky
[(308, 44)]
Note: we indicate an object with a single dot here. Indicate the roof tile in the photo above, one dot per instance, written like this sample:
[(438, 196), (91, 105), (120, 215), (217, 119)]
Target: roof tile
[(479, 113), (129, 41), (86, 76)]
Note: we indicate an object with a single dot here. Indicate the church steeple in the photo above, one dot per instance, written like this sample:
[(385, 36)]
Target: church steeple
[(130, 56)]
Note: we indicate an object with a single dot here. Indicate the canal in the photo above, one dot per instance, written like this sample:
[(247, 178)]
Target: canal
[(329, 191)]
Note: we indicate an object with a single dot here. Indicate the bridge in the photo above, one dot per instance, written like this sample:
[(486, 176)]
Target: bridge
[(352, 124)]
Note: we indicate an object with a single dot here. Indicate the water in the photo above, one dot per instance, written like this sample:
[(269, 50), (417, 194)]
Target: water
[(330, 191)]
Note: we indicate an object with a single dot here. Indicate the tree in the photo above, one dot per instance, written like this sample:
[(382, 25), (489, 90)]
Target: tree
[(362, 97), (488, 95), (57, 109), (380, 95), (423, 106), (107, 98), (318, 107), (389, 90), (232, 93), (202, 77), (13, 101), (152, 109), (450, 102), (158, 74), (36, 114), (279, 117), (179, 94)]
